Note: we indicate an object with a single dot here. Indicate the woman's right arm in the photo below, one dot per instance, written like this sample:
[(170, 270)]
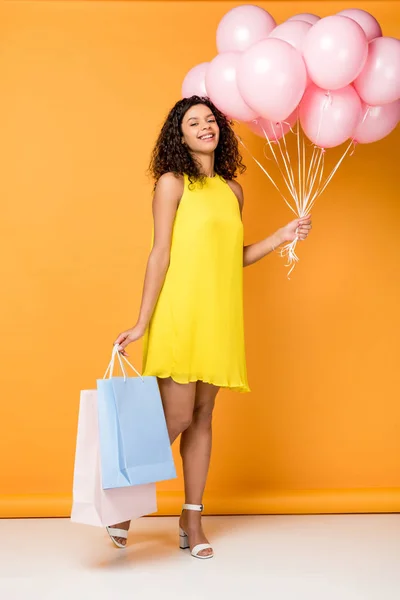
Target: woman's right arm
[(166, 199)]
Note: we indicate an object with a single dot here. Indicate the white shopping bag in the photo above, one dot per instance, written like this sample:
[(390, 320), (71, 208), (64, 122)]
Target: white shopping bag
[(91, 504)]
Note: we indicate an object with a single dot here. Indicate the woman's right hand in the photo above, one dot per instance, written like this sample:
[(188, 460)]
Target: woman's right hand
[(128, 336)]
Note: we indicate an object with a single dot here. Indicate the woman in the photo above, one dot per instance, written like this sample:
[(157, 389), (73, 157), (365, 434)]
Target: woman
[(191, 312)]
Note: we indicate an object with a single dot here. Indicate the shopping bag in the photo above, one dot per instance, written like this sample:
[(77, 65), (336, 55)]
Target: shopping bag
[(91, 504), (134, 442)]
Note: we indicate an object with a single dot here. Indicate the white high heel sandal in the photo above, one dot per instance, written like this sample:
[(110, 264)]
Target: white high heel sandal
[(184, 540), (115, 532)]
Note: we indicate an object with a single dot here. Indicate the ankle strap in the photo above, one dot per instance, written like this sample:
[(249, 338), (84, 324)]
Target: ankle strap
[(198, 507)]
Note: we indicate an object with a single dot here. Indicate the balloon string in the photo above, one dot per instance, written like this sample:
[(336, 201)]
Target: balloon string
[(365, 116), (289, 251), (354, 149), (329, 178), (327, 102), (311, 168), (266, 173), (310, 184), (289, 175), (288, 182), (289, 163), (318, 168), (290, 127), (299, 165), (304, 164)]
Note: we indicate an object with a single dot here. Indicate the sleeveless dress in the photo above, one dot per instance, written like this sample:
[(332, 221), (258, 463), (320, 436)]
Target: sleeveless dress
[(196, 331)]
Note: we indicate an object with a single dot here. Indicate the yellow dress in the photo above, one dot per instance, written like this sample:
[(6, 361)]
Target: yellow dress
[(196, 331)]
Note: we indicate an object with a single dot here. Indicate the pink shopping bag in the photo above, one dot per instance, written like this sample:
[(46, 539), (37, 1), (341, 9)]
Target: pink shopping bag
[(91, 504)]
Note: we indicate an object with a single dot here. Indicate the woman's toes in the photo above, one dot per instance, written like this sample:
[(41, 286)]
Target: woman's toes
[(120, 540)]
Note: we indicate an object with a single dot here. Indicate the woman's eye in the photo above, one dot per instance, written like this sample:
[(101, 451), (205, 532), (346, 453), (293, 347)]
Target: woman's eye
[(193, 124)]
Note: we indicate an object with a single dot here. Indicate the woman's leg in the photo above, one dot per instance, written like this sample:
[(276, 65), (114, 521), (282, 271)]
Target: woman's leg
[(178, 403), (195, 450)]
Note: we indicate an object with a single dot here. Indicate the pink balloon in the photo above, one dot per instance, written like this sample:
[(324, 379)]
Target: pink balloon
[(272, 78), (379, 81), (222, 87), (292, 32), (194, 82), (377, 122), (335, 52), (329, 118), (273, 129), (306, 18), (369, 24), (242, 27)]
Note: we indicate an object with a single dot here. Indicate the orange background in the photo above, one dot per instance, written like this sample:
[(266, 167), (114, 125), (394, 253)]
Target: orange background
[(85, 89)]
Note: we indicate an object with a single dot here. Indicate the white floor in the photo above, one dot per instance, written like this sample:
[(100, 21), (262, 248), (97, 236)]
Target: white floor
[(291, 557)]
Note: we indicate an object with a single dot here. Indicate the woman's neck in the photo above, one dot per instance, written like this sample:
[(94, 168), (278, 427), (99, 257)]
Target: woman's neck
[(206, 163)]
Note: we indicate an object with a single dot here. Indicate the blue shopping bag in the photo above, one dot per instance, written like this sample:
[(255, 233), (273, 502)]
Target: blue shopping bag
[(133, 436)]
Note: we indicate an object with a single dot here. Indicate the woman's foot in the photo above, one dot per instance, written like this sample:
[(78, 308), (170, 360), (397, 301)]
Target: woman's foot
[(125, 525), (190, 522)]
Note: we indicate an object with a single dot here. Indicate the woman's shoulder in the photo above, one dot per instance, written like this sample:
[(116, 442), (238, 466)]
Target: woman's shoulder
[(170, 179), (170, 182), (235, 185)]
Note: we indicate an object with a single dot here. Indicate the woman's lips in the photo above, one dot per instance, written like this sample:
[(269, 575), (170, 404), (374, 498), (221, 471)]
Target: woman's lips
[(209, 137)]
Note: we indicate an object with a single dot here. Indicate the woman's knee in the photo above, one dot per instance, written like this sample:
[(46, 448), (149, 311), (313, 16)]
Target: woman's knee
[(203, 413), (183, 421), (204, 404), (178, 423), (178, 402)]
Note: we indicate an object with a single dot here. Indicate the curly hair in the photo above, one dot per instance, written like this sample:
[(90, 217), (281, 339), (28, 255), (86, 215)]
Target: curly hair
[(170, 155)]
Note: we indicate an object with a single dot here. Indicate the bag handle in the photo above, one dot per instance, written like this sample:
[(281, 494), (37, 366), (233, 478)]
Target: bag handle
[(115, 351)]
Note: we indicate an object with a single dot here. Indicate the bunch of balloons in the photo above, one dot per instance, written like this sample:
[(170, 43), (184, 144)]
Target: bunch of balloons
[(337, 77), (340, 66)]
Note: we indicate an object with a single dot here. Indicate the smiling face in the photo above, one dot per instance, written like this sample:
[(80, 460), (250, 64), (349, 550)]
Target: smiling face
[(200, 131)]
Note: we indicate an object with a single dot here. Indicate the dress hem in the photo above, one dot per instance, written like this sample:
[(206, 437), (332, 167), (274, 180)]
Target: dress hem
[(182, 379)]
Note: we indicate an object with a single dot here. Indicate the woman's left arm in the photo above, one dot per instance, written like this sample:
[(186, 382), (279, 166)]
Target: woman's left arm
[(254, 252)]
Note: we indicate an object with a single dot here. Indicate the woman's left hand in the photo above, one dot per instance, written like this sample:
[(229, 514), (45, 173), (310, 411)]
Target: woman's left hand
[(299, 228)]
